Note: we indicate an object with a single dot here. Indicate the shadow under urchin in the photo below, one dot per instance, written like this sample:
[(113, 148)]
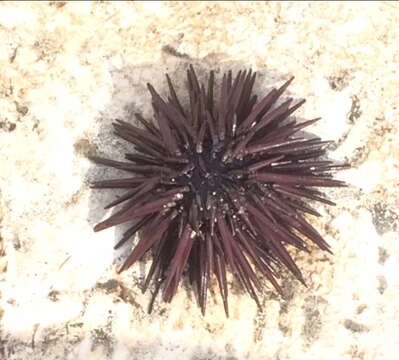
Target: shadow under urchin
[(219, 186)]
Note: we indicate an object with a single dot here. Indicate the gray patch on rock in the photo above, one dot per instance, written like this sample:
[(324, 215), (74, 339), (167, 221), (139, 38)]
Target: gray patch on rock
[(21, 109), (313, 323), (168, 49), (83, 147), (58, 4), (355, 112), (50, 339), (382, 284), (384, 219), (101, 337), (383, 255), (361, 308), (109, 286), (359, 155), (7, 125), (47, 47), (53, 295), (288, 287), (122, 292), (10, 347), (339, 81), (259, 325), (354, 326)]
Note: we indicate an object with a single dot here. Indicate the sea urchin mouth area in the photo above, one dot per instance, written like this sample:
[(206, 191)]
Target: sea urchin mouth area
[(208, 174), (220, 186)]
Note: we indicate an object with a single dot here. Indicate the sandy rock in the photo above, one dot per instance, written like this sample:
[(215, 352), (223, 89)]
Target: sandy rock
[(68, 69)]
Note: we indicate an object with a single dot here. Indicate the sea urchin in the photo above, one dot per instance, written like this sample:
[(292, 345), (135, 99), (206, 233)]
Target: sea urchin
[(219, 186)]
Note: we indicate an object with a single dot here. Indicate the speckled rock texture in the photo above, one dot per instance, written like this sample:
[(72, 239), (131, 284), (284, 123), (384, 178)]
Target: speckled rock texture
[(68, 69)]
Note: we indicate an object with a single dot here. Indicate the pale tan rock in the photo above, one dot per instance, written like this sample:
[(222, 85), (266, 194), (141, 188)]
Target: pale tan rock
[(69, 69)]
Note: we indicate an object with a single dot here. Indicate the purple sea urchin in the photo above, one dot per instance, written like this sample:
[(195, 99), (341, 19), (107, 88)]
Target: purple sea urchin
[(219, 186)]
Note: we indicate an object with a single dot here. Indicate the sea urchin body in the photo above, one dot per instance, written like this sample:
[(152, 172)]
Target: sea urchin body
[(219, 186)]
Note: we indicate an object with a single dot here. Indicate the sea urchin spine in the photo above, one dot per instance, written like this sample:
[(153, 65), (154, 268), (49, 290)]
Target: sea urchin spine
[(219, 186)]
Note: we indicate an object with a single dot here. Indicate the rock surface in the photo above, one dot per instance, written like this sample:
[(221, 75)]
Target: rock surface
[(69, 69)]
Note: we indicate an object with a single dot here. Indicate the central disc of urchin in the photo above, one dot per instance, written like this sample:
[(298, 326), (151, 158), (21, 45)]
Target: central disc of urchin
[(219, 186), (207, 173)]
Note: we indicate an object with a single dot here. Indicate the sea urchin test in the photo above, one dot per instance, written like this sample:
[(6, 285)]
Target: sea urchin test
[(219, 186)]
